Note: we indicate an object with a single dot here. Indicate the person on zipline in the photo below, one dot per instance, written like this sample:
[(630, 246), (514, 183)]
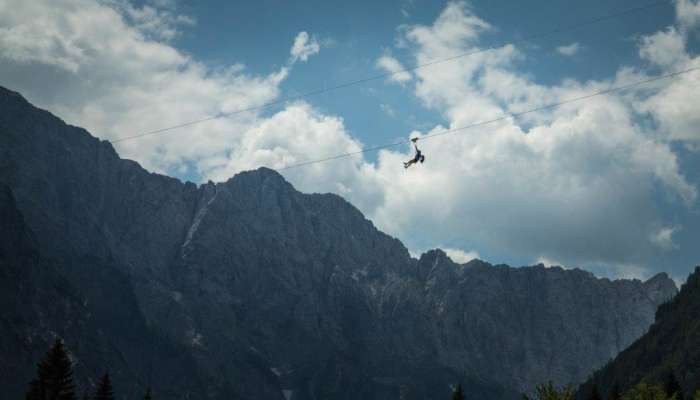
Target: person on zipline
[(419, 156)]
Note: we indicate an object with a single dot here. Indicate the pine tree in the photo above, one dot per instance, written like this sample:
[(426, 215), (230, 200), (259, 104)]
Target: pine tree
[(644, 391), (594, 394), (458, 394), (550, 392), (36, 391), (148, 395), (671, 386), (104, 389), (615, 393), (55, 376)]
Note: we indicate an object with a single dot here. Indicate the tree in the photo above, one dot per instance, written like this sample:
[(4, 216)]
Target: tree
[(672, 387), (458, 394), (54, 376), (615, 393), (594, 394), (104, 389), (644, 391), (549, 392), (36, 391), (148, 395)]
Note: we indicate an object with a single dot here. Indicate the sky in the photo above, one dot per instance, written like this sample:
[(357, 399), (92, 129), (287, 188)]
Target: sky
[(609, 184)]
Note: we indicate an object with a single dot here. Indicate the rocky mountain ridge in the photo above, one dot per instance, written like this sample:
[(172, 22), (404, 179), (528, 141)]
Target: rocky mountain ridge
[(275, 294), (671, 346)]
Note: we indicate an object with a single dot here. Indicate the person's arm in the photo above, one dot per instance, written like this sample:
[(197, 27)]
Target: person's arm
[(416, 146)]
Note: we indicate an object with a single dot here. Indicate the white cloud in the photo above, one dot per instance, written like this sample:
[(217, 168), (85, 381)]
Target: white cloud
[(569, 50), (549, 263), (159, 19), (673, 106), (575, 183), (393, 67), (665, 48), (103, 66), (688, 12), (387, 109), (664, 237), (460, 256), (304, 47)]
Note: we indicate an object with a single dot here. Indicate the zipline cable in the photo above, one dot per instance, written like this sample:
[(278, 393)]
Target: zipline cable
[(552, 32), (501, 118)]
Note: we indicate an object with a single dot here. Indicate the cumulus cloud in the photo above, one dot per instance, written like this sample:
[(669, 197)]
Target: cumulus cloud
[(397, 72), (688, 12), (665, 48), (673, 106), (569, 50), (575, 183), (460, 256), (664, 237), (304, 47), (156, 18), (548, 263), (107, 66)]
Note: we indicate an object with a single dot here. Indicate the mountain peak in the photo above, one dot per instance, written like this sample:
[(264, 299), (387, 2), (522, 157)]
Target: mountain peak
[(5, 92), (262, 176), (305, 280)]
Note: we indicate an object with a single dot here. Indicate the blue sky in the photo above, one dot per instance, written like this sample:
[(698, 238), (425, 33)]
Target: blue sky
[(354, 34), (609, 185)]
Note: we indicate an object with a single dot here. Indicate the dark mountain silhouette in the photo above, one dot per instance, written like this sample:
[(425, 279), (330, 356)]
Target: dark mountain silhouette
[(670, 348), (250, 289), (38, 303)]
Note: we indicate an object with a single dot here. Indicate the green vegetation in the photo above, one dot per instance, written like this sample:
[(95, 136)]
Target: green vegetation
[(550, 392), (54, 379), (458, 393), (644, 391), (104, 389), (641, 391)]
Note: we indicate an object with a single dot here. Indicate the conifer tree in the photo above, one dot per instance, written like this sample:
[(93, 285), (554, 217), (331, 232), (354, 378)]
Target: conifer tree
[(54, 376), (644, 391), (148, 395), (458, 394), (671, 386), (615, 393), (550, 392), (36, 391), (104, 389), (594, 394)]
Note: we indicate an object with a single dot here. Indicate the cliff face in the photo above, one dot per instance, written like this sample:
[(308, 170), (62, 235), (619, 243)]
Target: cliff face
[(271, 293), (672, 345), (100, 322)]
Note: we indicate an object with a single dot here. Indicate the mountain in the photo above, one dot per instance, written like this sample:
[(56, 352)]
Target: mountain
[(39, 303), (672, 345), (269, 293)]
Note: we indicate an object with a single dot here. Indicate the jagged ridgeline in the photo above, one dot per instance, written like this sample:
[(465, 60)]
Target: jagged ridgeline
[(669, 354), (250, 289)]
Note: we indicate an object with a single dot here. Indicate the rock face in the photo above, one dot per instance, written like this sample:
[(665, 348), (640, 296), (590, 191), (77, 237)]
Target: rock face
[(265, 292), (38, 303), (672, 344)]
